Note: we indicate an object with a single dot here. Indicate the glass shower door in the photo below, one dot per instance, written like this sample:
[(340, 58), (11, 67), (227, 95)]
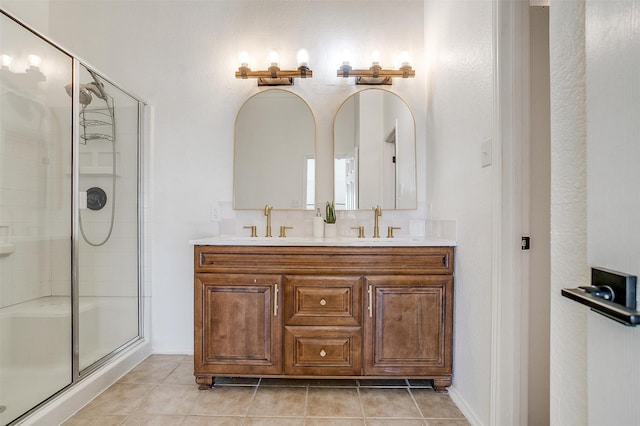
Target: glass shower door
[(35, 220), (108, 218)]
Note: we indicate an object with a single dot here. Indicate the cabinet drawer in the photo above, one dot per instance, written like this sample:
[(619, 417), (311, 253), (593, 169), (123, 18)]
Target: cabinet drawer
[(296, 260), (322, 350), (322, 300)]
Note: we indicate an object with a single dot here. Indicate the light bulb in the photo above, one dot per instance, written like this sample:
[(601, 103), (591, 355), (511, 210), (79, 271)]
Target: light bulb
[(303, 58), (244, 59), (274, 58), (405, 58), (346, 57), (33, 61), (375, 57), (5, 61)]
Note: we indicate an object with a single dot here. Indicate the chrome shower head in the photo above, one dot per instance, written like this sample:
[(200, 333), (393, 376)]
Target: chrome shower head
[(96, 88), (85, 96)]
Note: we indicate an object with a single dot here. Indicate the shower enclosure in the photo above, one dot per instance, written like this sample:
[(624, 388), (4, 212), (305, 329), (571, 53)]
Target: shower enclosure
[(69, 220)]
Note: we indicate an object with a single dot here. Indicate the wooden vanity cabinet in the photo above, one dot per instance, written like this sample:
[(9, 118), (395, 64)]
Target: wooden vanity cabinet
[(238, 329), (408, 328), (350, 312)]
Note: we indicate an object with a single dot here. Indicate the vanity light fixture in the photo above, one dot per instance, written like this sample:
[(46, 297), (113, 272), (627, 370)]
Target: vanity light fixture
[(376, 75), (274, 76), (5, 62), (30, 75)]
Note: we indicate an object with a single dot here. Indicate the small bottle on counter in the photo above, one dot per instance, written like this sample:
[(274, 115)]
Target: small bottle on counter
[(318, 225)]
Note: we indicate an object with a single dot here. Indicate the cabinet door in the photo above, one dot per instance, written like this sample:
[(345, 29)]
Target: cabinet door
[(238, 324), (408, 325)]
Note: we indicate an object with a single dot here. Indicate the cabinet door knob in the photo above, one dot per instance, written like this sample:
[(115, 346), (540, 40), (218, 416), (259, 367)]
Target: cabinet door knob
[(323, 353), (323, 302)]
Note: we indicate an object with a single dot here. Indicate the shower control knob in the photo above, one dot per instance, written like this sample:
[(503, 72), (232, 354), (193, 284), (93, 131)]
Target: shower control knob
[(96, 198)]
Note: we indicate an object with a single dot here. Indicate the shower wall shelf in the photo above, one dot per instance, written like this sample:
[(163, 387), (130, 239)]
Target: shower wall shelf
[(96, 118), (98, 171)]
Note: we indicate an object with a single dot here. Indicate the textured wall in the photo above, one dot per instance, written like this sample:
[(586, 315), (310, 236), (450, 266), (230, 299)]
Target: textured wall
[(458, 40), (568, 213)]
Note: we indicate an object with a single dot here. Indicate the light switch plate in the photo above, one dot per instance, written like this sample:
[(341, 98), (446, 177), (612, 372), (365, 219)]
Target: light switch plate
[(215, 212)]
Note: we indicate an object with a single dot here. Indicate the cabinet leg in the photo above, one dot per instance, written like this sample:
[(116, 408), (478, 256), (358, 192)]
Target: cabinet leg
[(441, 385), (205, 382)]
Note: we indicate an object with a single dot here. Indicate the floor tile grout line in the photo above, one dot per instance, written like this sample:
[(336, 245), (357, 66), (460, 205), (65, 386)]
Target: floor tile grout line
[(413, 398), (137, 407), (253, 397), (364, 419), (306, 399)]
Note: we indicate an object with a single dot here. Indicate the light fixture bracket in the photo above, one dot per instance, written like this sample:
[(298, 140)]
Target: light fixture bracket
[(374, 81), (274, 76), (275, 81)]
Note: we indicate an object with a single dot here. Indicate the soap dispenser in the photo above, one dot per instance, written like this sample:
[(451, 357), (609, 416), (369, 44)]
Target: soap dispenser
[(318, 225)]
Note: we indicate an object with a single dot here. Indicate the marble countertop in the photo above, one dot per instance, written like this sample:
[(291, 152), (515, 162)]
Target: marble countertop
[(328, 242)]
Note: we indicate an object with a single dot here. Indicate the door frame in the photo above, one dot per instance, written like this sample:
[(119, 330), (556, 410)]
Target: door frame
[(510, 283)]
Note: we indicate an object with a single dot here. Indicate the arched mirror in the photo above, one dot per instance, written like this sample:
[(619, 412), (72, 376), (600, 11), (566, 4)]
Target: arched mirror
[(274, 161), (374, 152)]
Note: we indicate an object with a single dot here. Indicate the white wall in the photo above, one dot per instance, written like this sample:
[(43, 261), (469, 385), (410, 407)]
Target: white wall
[(181, 58), (458, 42), (568, 358)]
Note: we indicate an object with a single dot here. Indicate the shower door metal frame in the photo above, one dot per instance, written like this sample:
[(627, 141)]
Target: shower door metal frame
[(79, 374), (75, 216)]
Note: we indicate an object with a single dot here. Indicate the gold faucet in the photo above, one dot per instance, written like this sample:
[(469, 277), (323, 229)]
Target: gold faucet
[(377, 212), (283, 231), (267, 213), (360, 230), (390, 231), (253, 230)]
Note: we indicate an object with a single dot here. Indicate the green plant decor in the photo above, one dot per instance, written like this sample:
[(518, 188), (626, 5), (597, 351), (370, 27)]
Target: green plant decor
[(330, 216)]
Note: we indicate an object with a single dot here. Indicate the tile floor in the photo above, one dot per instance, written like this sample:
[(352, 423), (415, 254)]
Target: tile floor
[(162, 391)]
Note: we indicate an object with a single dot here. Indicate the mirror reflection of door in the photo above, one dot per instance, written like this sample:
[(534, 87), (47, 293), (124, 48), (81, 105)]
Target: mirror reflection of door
[(374, 152), (346, 182), (389, 169)]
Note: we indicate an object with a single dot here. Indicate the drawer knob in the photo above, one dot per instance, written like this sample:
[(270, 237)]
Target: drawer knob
[(323, 353), (323, 302)]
